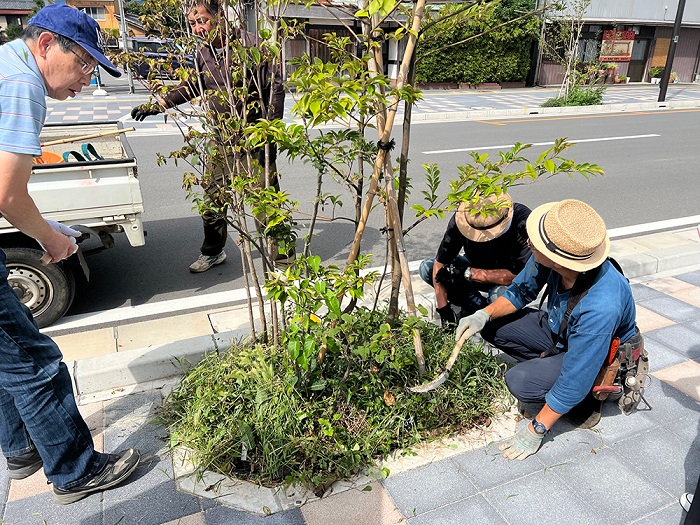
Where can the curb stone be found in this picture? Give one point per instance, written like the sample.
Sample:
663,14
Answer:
263,501
568,110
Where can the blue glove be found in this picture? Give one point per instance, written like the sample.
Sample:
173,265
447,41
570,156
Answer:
524,444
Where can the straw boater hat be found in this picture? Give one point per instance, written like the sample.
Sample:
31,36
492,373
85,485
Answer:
478,228
570,233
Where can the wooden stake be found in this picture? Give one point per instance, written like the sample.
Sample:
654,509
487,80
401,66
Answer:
86,137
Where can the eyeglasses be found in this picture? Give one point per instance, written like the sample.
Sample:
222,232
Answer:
87,68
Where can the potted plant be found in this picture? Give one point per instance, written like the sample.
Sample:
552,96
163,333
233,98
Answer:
609,68
655,74
673,79
622,79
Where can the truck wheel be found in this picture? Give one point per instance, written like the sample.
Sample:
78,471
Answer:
47,291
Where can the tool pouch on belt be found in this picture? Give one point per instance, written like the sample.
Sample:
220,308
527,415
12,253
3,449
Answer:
634,370
604,384
624,373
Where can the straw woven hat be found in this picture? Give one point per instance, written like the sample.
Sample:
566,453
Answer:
478,228
570,233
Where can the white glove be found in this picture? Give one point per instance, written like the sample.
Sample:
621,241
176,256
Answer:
524,444
472,323
65,230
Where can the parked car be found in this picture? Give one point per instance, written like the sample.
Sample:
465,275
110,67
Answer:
159,49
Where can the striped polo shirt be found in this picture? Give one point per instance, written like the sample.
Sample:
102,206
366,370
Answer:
22,100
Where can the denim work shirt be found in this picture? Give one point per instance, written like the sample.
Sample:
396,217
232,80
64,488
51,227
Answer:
605,312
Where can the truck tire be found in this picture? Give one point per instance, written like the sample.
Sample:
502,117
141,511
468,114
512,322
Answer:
47,290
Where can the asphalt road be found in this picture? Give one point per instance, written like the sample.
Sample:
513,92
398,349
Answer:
650,159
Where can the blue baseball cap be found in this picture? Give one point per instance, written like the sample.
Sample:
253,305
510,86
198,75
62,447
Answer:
78,27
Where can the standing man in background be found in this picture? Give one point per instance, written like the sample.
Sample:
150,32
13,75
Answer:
214,73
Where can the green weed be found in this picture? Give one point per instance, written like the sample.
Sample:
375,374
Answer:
246,413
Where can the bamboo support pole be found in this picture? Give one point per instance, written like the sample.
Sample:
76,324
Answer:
385,133
86,137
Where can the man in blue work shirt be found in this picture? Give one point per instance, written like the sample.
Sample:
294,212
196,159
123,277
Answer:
569,241
40,425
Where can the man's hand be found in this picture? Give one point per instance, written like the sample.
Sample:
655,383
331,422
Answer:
63,243
472,323
447,317
451,274
524,444
146,110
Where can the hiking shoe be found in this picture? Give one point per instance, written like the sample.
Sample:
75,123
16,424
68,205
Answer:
204,262
586,414
118,468
686,500
24,465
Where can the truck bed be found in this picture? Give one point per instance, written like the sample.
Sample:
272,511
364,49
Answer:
97,194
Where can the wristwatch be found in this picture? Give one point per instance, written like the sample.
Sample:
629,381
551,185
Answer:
540,429
468,273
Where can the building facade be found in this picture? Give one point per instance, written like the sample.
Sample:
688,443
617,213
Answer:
652,23
14,12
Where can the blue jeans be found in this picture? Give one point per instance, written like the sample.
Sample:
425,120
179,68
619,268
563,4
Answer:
36,397
525,335
468,296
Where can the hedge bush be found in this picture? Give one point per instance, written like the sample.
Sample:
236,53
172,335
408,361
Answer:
502,55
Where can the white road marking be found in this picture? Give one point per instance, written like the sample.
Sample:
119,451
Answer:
213,300
508,146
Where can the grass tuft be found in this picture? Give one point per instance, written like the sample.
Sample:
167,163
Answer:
247,414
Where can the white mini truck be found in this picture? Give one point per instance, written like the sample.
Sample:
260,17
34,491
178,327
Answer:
98,197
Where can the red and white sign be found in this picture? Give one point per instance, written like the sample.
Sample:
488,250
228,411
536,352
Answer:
617,46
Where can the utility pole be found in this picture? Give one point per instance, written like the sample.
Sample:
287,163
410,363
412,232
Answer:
671,51
125,34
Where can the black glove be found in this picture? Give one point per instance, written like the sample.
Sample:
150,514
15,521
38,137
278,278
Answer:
451,274
447,317
145,110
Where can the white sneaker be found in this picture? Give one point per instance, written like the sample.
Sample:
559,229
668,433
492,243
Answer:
204,262
685,500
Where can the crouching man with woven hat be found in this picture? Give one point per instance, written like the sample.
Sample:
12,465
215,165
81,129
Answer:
491,232
559,351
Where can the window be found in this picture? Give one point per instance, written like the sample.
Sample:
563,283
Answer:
96,12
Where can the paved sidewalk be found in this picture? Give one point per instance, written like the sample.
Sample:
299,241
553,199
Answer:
630,469
436,104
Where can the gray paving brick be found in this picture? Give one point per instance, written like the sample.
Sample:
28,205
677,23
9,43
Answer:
669,404
671,308
151,501
486,468
140,405
644,293
615,426
474,510
661,355
420,490
4,483
680,338
687,428
679,467
690,277
596,479
221,515
672,514
40,510
520,500
565,442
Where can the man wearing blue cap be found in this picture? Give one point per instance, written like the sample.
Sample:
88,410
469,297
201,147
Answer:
40,424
